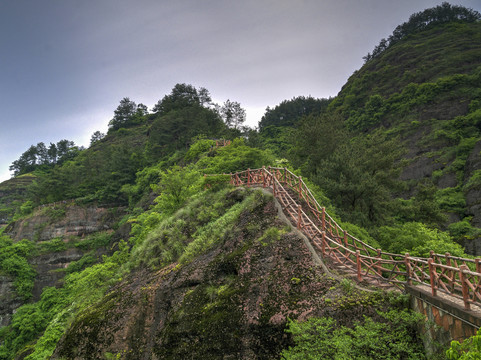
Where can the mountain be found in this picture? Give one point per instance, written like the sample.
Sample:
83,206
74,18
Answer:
13,193
138,248
426,90
420,97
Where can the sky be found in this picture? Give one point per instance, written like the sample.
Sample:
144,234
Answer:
66,64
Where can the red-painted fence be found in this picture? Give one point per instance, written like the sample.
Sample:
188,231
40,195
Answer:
443,273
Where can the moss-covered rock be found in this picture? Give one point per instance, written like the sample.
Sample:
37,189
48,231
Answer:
232,301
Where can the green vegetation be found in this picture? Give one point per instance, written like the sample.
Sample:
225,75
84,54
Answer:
40,157
444,13
14,193
392,157
393,336
14,262
51,315
469,349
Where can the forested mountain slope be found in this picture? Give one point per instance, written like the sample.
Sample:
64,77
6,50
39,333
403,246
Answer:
126,250
404,135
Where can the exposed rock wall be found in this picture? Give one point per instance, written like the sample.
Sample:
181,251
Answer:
473,196
232,302
76,221
41,226
9,301
47,267
473,199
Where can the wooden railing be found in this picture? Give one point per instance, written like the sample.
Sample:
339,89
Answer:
221,142
443,273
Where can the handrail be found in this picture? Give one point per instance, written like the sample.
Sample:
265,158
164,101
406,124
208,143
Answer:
440,272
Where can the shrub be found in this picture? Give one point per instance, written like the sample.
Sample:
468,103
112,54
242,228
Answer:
474,181
417,239
469,349
198,148
13,261
55,245
394,337
95,241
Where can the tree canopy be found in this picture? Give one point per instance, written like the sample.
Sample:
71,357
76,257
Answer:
181,96
419,21
288,112
128,113
39,155
233,114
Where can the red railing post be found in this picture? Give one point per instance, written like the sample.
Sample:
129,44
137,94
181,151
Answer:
478,270
432,275
248,177
358,262
464,285
409,271
478,265
274,187
323,219
379,266
263,176
300,187
323,243
450,272
285,175
299,216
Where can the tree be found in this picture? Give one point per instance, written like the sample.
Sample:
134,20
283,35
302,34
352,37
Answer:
39,156
440,14
360,175
52,153
181,96
310,143
289,112
232,113
176,186
174,130
204,97
96,136
42,154
66,150
469,349
124,113
142,110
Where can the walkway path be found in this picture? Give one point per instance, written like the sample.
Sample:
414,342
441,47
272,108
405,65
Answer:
448,277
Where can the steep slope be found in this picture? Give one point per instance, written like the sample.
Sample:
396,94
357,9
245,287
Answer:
428,89
425,90
13,192
47,245
229,302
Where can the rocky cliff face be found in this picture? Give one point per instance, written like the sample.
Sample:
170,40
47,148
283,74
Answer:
61,220
9,301
48,265
473,198
232,302
12,193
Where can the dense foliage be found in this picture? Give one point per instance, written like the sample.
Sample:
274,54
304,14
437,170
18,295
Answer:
391,157
469,349
444,13
40,156
394,337
288,112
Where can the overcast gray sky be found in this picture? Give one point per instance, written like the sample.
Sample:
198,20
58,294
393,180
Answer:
66,64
